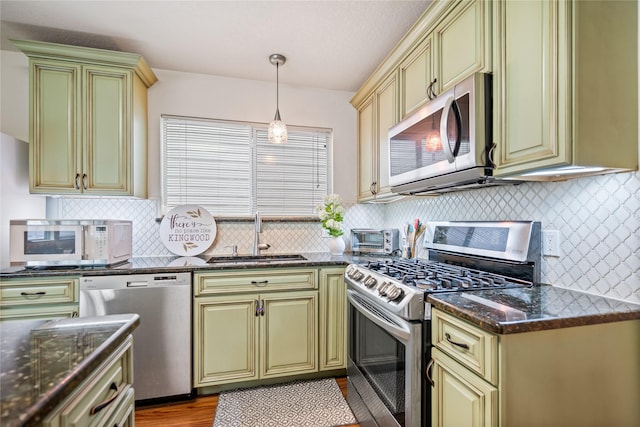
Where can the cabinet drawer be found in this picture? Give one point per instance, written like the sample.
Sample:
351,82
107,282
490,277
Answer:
41,291
471,346
108,387
261,280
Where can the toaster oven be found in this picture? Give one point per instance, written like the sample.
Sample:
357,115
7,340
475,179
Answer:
375,241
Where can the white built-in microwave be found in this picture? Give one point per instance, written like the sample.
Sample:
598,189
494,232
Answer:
42,242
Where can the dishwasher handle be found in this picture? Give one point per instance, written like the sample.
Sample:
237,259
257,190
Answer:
137,284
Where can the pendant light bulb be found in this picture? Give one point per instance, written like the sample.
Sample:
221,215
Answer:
277,128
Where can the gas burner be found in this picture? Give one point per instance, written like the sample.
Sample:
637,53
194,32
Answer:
432,276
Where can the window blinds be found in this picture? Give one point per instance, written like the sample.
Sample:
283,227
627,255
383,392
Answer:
231,169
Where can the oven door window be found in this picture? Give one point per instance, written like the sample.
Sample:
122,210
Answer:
369,240
381,359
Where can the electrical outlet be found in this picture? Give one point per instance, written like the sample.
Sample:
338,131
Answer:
551,243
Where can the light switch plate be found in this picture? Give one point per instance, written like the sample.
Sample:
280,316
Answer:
551,243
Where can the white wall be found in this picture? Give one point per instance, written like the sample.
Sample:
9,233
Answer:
198,95
15,200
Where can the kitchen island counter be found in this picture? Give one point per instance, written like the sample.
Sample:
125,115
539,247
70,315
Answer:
39,367
510,311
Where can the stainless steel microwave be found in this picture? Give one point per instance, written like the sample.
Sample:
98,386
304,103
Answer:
41,242
446,144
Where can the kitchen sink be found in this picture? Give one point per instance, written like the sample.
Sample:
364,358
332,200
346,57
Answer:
254,259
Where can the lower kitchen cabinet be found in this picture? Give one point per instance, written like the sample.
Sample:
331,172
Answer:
260,324
105,398
333,319
41,297
460,397
254,324
255,336
586,376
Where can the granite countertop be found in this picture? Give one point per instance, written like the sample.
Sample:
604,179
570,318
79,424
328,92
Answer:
175,264
44,360
510,311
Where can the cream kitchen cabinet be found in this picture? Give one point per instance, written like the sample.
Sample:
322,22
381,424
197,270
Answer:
376,115
254,325
105,398
458,46
333,319
563,97
88,120
41,297
537,378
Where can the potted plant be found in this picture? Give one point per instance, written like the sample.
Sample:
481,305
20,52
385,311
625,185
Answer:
331,213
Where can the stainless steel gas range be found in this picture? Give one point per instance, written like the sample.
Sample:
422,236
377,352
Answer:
389,331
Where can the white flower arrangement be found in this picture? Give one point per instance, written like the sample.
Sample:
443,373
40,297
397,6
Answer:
332,214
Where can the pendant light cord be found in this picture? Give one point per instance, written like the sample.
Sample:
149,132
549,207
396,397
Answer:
277,87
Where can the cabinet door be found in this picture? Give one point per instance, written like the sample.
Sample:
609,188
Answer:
288,334
531,87
461,398
55,155
225,343
333,319
386,107
415,77
367,157
107,130
461,43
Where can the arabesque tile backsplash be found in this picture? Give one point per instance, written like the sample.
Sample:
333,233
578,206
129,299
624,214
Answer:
598,219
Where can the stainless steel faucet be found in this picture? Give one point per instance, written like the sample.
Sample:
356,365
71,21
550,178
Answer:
257,246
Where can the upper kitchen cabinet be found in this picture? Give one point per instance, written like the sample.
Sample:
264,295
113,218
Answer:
565,88
375,116
458,46
88,120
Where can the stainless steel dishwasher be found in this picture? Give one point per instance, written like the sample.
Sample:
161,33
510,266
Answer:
162,341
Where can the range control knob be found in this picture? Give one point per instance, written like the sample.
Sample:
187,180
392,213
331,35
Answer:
382,288
370,282
395,293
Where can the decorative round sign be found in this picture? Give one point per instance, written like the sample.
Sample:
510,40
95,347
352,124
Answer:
188,230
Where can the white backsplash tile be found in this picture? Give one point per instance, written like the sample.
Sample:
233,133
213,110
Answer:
598,219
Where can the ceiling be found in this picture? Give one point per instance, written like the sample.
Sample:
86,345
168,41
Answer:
328,44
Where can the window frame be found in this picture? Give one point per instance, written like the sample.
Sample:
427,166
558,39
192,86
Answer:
255,127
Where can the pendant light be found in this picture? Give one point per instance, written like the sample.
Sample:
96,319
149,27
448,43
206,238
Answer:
277,128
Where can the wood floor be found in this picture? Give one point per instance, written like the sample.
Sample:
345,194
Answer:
195,413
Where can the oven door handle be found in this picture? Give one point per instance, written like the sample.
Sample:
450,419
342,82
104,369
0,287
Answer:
399,331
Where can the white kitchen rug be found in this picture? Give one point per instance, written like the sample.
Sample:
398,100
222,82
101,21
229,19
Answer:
316,403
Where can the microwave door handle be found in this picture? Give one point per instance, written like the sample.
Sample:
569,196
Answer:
85,237
449,105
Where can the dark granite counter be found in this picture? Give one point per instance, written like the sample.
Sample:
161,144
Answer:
511,311
142,265
42,361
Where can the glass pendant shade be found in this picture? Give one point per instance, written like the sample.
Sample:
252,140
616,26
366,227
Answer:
277,128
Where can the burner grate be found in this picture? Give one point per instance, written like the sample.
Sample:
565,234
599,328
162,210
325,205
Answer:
433,276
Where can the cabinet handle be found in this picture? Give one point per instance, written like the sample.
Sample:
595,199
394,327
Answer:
260,283
372,188
430,93
100,406
429,366
490,155
77,185
84,181
262,308
31,294
448,337
258,308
